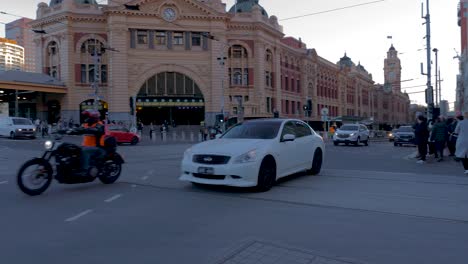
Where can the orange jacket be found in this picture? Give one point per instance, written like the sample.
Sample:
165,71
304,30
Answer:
89,140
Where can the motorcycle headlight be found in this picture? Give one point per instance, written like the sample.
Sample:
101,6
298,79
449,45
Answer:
48,145
250,156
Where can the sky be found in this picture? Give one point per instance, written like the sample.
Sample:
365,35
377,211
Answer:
360,31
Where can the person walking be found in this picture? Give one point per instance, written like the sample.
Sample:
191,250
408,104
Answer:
462,142
44,128
452,141
421,138
140,128
439,136
151,131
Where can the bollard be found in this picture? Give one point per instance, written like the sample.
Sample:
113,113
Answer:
153,136
192,136
174,136
183,136
164,136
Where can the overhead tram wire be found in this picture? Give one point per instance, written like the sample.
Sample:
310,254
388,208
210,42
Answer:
332,10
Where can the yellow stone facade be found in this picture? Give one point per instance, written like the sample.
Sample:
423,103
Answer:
225,55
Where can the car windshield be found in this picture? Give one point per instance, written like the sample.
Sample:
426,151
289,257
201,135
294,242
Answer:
22,121
349,128
405,129
254,130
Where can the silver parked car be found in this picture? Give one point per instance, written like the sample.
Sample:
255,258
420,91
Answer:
351,134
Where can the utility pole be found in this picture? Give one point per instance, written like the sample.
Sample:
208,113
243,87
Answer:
429,90
436,51
222,64
97,73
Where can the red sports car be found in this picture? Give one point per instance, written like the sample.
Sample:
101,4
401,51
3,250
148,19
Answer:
123,135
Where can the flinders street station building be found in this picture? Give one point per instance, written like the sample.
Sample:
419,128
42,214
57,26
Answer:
191,60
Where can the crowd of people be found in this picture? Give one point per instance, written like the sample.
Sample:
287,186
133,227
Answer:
433,137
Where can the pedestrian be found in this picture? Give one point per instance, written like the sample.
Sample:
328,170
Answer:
38,125
151,130
70,123
205,134
452,141
462,142
421,134
44,128
439,136
162,130
140,128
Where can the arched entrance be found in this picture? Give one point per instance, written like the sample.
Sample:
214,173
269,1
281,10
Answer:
89,104
170,97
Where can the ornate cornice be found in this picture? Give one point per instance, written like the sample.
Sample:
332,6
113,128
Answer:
59,18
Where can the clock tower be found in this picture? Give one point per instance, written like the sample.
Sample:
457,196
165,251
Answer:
392,71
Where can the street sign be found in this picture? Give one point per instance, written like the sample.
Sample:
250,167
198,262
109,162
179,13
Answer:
324,118
324,111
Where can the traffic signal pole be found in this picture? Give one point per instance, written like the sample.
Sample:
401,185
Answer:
429,89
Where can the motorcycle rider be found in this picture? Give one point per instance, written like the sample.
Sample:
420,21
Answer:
93,141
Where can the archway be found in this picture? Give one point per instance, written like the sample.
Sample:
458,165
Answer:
89,104
170,97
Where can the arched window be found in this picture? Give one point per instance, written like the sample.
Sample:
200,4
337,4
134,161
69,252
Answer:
238,66
93,62
52,60
92,46
238,51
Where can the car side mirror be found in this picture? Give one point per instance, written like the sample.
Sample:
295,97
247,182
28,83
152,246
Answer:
218,136
288,137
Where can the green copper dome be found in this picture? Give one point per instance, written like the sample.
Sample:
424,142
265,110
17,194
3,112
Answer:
245,6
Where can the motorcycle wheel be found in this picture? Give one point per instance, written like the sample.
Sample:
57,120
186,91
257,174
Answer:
38,181
111,172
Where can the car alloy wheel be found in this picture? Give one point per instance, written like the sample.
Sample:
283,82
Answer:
266,175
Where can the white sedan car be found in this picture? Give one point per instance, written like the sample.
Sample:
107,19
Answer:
255,154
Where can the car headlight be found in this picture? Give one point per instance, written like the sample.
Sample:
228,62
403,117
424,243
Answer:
19,129
352,134
188,153
250,156
390,135
48,145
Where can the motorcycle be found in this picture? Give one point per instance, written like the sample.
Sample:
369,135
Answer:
67,166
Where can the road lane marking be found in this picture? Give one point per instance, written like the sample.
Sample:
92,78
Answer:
76,217
144,178
115,197
3,182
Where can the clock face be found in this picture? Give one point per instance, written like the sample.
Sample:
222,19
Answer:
169,14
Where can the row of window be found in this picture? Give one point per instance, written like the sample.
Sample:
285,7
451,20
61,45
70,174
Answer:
238,77
167,38
290,84
332,110
90,75
291,107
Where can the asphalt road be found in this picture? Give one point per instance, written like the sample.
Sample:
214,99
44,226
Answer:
369,205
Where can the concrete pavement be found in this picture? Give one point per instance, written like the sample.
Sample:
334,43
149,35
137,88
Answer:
370,205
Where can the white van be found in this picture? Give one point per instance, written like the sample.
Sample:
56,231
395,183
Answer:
17,127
